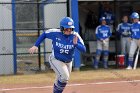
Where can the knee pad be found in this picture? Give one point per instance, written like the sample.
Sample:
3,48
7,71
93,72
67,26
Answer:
105,52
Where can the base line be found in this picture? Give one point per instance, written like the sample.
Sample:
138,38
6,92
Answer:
69,85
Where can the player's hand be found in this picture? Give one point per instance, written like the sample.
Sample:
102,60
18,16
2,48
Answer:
33,49
75,39
106,40
101,40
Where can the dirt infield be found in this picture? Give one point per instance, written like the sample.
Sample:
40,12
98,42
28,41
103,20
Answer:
100,81
110,86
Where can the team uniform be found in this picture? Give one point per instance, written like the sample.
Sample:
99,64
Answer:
109,17
108,14
124,31
103,32
135,39
135,31
62,53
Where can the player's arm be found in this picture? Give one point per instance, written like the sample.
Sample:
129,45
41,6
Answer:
47,34
40,39
131,33
78,43
118,30
37,43
97,33
110,32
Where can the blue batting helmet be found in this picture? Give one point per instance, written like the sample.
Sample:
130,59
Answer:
134,15
102,18
67,22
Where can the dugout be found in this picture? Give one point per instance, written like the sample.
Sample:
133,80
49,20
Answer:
11,21
89,14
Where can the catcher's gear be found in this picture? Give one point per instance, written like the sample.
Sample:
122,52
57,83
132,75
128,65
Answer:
134,15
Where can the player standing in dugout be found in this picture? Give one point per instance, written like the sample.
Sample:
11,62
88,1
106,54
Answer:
135,38
123,30
103,33
64,41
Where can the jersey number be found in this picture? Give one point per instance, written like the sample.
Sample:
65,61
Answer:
105,35
64,51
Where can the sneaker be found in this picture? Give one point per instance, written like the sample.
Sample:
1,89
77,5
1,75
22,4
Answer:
129,67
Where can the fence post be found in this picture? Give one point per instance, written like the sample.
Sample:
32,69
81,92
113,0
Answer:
38,26
74,12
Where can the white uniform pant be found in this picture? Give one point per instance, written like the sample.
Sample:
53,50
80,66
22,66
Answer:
125,45
103,45
61,69
134,45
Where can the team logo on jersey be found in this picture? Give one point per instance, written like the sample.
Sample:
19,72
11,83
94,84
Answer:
63,46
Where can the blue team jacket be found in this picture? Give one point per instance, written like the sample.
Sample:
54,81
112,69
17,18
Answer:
103,32
135,30
124,27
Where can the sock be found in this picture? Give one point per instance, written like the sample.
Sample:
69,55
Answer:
95,63
126,60
130,63
59,87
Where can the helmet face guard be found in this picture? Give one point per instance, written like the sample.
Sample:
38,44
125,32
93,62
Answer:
134,15
66,22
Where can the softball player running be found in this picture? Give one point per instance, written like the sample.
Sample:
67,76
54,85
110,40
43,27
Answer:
135,38
124,31
103,32
64,41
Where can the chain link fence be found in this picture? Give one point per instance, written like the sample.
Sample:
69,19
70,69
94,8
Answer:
29,25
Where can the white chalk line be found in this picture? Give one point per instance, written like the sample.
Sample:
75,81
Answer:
69,85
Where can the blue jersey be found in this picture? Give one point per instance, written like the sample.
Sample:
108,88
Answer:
109,16
135,30
103,32
63,47
124,29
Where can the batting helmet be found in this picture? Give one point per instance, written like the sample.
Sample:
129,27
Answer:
102,18
66,22
134,15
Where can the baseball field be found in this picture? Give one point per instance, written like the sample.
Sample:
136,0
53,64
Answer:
84,81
